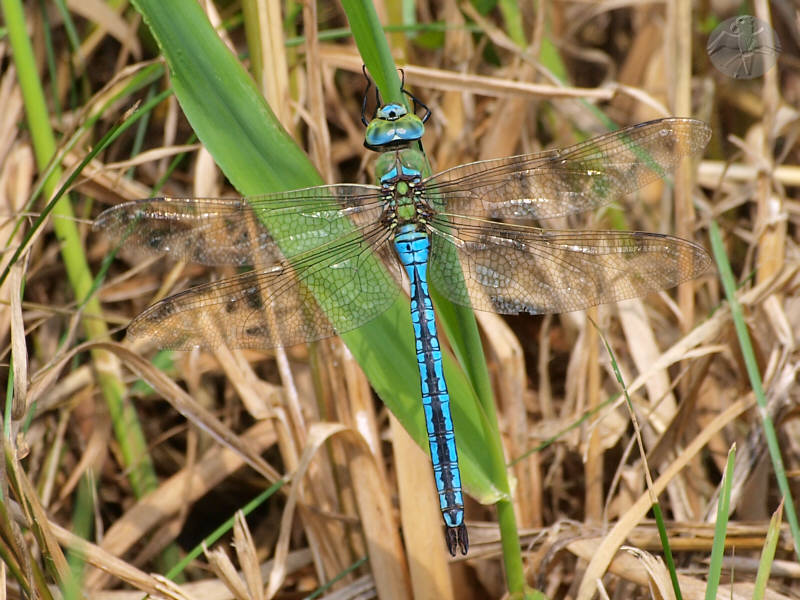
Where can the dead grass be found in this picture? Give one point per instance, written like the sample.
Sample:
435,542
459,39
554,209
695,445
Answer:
308,414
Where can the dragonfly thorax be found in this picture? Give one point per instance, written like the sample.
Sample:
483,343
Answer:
401,165
399,174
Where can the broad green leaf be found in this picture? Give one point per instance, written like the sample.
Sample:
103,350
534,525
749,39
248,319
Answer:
237,126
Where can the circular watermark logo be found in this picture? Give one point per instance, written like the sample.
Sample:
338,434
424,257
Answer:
743,47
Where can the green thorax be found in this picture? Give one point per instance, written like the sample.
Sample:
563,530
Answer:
399,172
400,165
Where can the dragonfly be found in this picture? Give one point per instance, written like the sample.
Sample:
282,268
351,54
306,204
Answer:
311,252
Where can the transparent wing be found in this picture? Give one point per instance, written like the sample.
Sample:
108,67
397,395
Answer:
512,269
333,289
571,180
232,231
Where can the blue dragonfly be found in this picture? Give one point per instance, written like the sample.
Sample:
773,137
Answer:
312,274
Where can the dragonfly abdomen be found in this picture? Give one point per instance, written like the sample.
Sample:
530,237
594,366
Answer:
413,248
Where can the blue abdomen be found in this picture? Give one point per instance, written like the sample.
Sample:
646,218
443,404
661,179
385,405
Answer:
413,248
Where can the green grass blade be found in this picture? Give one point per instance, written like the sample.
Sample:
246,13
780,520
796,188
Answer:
729,284
373,48
768,554
669,560
513,21
657,514
720,530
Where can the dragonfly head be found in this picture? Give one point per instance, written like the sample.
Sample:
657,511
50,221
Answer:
393,127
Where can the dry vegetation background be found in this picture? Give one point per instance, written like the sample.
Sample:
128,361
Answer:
67,471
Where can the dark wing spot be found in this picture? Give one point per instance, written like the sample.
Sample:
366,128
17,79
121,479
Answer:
252,296
258,331
243,240
156,239
163,309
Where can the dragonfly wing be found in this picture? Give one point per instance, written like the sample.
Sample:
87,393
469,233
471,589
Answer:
333,289
571,180
233,231
512,269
